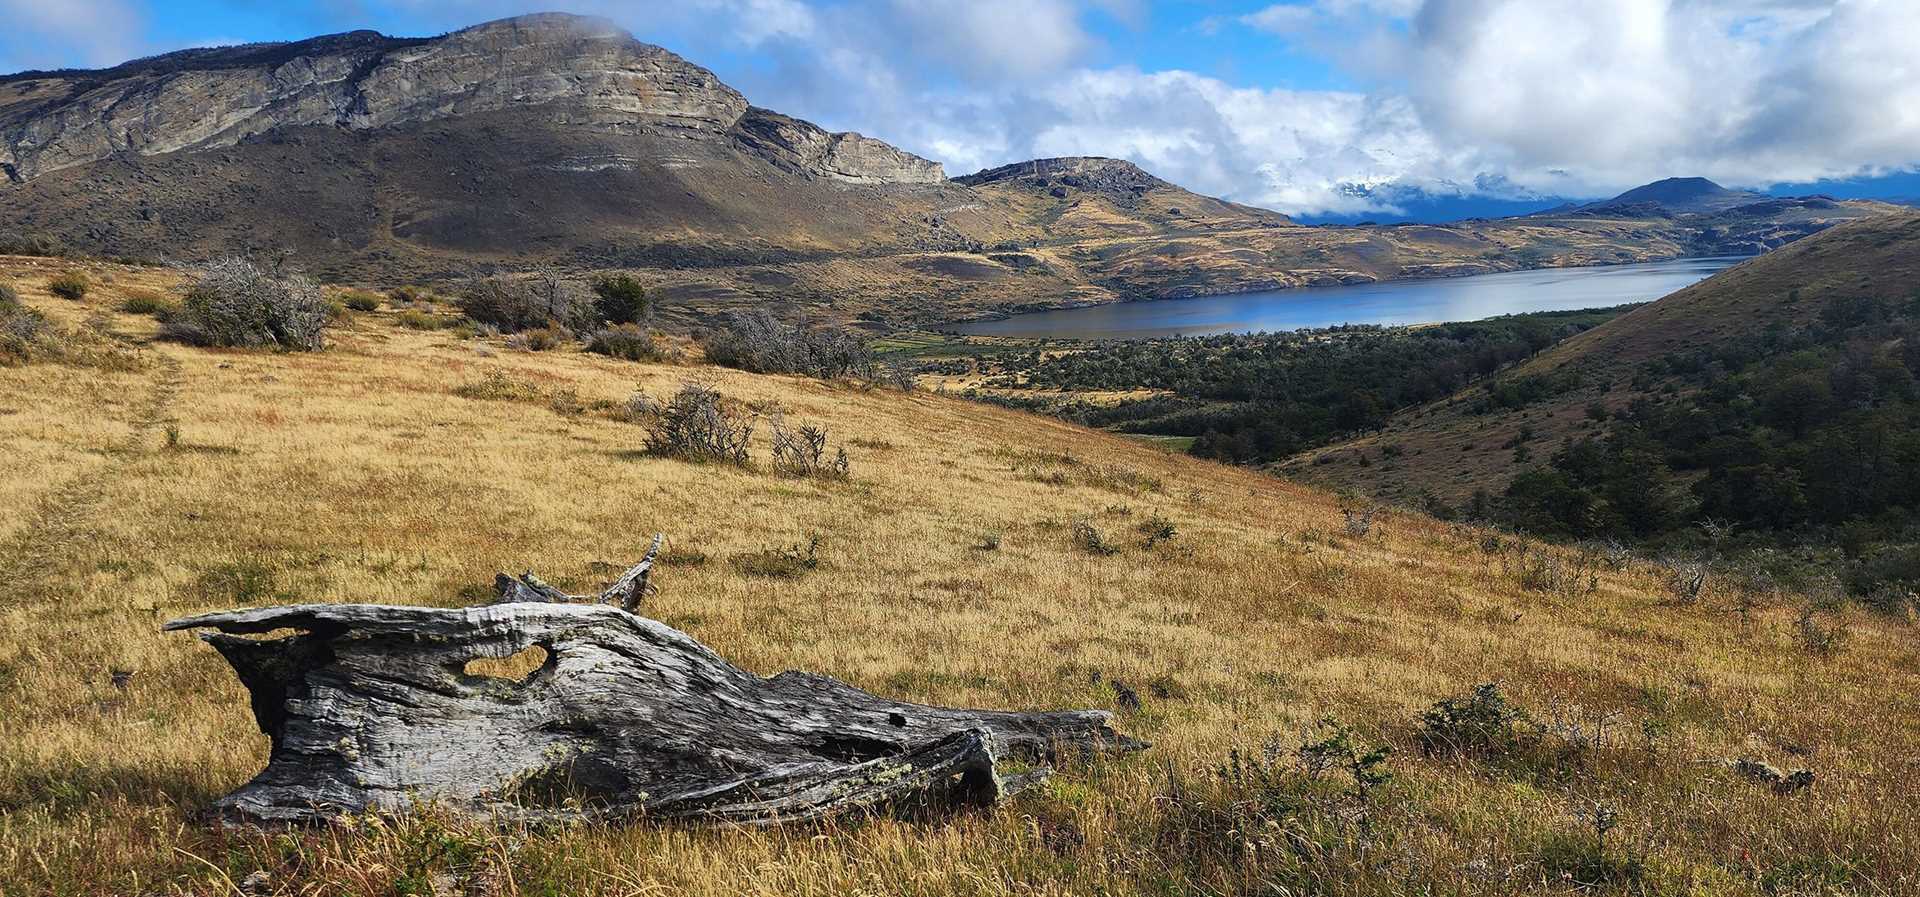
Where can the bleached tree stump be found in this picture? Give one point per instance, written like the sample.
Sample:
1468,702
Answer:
371,707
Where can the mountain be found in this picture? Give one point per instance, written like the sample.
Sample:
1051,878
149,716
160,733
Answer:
561,140
1683,195
1747,318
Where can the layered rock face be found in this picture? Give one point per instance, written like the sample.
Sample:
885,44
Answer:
576,71
800,146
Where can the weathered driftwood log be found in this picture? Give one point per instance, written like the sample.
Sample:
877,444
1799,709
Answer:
627,591
371,707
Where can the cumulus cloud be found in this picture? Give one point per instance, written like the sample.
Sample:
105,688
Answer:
1508,98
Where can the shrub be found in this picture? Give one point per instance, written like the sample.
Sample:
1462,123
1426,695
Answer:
695,425
1481,725
1088,538
543,300
781,563
138,301
802,452
236,304
23,331
621,299
360,300
757,342
407,295
539,339
1157,529
71,285
626,341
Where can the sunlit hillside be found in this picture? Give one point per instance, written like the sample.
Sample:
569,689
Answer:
976,556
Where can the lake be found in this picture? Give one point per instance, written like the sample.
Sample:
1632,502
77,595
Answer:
1396,302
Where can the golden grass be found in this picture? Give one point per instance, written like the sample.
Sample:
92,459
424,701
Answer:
356,474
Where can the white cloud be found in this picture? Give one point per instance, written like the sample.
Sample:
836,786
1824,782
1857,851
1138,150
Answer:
39,33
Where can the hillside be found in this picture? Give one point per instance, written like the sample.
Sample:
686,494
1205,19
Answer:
154,480
1458,445
561,140
1682,195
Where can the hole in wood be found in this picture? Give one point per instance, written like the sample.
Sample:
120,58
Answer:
517,667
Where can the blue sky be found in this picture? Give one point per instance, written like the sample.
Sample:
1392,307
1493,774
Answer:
1327,109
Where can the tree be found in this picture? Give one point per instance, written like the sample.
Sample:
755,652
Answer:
622,299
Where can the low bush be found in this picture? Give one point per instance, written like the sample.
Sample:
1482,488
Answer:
621,299
498,385
781,563
140,301
408,295
758,342
1088,538
360,300
539,339
1481,725
23,331
802,452
235,303
626,341
545,300
697,425
72,285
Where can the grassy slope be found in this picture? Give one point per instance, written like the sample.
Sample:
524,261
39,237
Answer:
1448,449
356,474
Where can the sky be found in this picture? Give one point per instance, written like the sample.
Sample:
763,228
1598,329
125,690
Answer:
1324,109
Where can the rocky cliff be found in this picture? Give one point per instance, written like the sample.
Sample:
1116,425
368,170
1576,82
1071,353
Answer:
573,71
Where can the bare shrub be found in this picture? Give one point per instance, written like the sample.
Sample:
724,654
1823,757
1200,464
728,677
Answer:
695,425
1818,638
235,303
1687,581
1359,519
802,451
1548,570
543,300
758,342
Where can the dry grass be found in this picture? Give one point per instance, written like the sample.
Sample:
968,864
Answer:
357,474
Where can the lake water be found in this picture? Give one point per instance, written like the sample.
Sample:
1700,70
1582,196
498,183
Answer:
1397,302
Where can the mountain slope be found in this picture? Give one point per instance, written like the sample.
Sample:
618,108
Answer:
560,140
1685,195
1468,442
949,571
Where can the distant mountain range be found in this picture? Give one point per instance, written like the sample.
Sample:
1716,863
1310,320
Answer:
560,140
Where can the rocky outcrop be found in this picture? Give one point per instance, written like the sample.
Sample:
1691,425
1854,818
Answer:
575,71
801,147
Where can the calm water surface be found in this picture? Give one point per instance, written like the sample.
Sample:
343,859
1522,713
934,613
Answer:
1399,302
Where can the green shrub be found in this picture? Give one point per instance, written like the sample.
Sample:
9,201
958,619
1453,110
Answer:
71,285
1481,725
628,341
360,300
621,299
139,301
236,304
